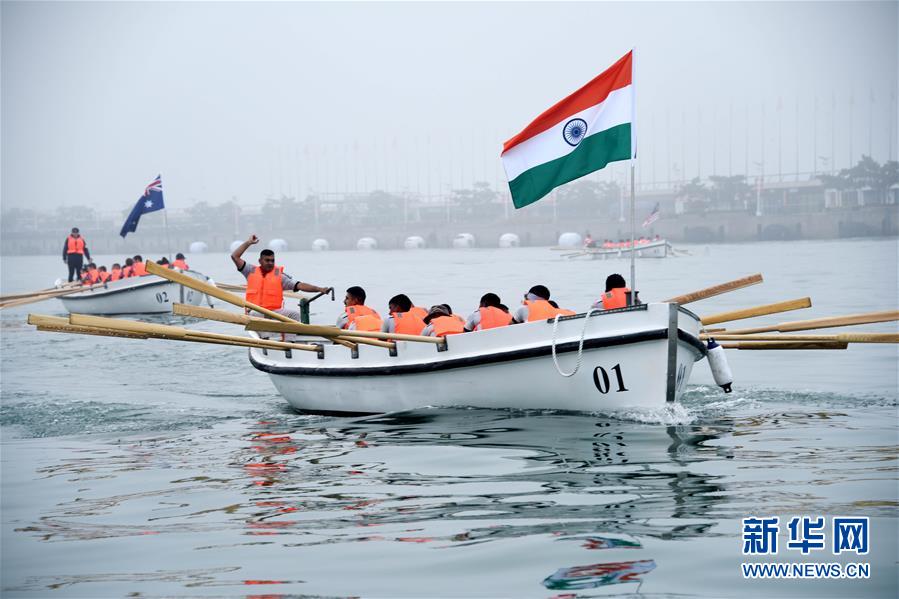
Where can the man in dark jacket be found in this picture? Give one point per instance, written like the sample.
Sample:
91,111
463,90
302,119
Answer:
74,250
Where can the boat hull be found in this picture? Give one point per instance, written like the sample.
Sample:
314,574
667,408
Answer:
633,357
653,249
136,295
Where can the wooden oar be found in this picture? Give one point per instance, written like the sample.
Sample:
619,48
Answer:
796,304
241,319
58,324
15,296
841,337
212,290
695,296
178,333
823,323
45,296
326,331
785,345
223,295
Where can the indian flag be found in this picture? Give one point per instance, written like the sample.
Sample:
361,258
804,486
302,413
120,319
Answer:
581,134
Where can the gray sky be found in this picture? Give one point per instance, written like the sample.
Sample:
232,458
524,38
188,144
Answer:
247,100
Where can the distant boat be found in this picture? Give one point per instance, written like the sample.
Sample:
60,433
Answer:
659,248
135,295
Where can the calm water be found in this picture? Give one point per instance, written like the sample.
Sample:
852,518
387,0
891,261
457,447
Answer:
157,469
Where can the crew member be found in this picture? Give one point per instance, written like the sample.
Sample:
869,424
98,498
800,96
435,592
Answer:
180,262
116,273
91,275
616,295
441,322
489,315
266,282
102,274
402,319
356,315
536,306
128,270
74,251
138,267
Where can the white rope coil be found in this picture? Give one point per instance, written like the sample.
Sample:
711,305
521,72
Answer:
580,346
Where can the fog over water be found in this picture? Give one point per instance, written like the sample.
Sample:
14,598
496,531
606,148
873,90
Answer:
240,100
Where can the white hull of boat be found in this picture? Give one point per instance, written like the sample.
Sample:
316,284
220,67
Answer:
633,357
135,295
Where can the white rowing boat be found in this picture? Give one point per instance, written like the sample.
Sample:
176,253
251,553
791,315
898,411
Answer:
135,295
640,356
653,249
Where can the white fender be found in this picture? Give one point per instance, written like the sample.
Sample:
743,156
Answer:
718,363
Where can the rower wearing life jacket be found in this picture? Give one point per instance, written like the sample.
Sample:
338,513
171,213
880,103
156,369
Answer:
180,262
356,315
116,272
128,269
616,295
91,275
536,306
102,274
489,315
138,267
402,318
266,282
441,322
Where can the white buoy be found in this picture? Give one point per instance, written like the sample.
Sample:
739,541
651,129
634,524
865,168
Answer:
367,243
464,241
234,245
320,245
720,369
570,240
414,243
199,247
277,245
509,240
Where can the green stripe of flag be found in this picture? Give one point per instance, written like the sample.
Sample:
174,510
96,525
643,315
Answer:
592,154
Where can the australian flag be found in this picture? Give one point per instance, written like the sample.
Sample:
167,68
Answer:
151,201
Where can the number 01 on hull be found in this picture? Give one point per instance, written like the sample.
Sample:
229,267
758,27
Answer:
632,357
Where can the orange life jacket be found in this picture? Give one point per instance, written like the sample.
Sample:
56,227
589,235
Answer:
540,310
140,270
616,298
266,290
103,276
179,263
418,311
74,245
493,317
353,313
93,276
85,278
127,271
116,274
408,323
446,325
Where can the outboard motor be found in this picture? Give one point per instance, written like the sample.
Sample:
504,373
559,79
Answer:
718,363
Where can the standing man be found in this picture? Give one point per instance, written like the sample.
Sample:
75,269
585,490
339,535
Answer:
74,250
266,282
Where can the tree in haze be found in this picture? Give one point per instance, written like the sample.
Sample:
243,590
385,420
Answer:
476,203
383,208
589,199
695,196
866,174
730,193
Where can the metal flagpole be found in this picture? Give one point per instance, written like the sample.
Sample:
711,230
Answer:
633,236
165,225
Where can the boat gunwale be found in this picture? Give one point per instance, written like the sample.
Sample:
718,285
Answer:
479,360
105,291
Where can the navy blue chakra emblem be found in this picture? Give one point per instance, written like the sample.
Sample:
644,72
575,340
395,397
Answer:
574,131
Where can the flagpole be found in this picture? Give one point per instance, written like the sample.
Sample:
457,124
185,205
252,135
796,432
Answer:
165,225
633,236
